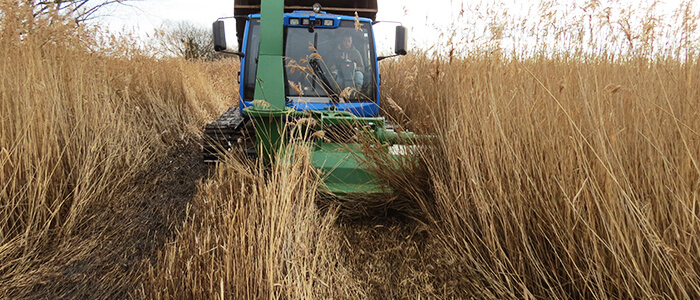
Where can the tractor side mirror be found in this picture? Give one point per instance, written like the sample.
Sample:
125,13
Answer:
219,36
220,39
400,47
401,40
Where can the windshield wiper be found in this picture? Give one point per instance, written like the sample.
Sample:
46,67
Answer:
318,71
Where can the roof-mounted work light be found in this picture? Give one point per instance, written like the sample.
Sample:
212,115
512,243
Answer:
316,7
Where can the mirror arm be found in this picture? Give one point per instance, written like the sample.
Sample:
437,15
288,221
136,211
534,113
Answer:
400,53
380,58
239,54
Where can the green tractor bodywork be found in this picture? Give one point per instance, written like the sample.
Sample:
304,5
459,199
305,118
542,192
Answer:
343,166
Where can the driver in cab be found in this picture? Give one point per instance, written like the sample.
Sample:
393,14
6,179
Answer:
348,68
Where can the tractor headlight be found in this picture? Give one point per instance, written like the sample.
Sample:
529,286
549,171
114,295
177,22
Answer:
304,21
294,22
328,22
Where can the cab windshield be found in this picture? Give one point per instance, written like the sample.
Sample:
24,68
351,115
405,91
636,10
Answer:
323,65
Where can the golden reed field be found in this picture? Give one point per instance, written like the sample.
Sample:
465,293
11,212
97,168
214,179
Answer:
554,175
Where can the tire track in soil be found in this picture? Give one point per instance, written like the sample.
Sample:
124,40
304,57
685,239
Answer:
107,258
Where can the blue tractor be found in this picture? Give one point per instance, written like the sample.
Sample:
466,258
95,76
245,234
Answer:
330,64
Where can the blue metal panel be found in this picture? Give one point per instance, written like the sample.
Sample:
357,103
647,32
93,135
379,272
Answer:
376,70
241,88
360,109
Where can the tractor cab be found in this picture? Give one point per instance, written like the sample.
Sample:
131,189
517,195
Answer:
330,56
329,63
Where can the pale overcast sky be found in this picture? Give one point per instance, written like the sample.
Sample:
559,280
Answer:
425,22
143,16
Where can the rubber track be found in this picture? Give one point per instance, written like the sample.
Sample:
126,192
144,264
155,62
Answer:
223,134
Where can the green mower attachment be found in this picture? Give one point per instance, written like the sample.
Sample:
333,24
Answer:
338,150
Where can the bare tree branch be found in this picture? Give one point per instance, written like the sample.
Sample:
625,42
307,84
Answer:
80,10
184,39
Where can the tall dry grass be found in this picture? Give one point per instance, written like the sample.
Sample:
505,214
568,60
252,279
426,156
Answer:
81,115
563,173
555,174
560,178
254,235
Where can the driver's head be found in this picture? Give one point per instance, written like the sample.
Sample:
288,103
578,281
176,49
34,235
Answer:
346,42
